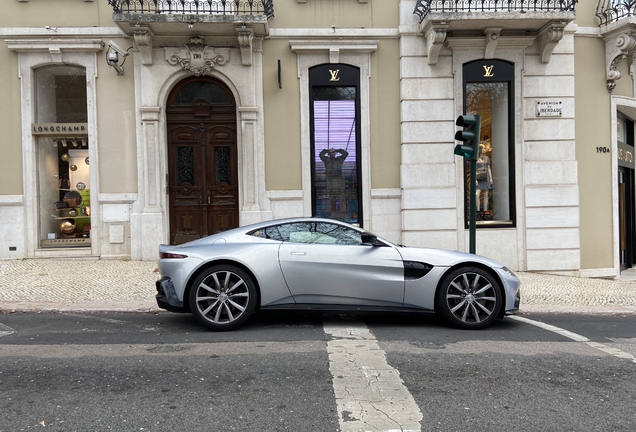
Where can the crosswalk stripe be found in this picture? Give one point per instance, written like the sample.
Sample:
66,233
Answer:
370,394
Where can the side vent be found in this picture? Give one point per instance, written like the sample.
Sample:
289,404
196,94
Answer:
416,270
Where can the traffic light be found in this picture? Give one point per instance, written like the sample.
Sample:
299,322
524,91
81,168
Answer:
469,136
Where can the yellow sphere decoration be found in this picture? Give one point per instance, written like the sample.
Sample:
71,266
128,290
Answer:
68,226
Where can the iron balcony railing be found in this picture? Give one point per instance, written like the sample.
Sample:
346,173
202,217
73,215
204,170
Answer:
424,7
194,7
608,11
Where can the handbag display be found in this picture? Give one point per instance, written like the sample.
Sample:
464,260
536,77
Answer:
73,198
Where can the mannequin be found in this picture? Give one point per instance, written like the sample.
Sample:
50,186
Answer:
484,180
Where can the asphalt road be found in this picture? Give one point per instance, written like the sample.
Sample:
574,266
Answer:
163,372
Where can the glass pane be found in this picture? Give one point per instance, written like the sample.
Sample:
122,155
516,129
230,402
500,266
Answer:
60,95
185,165
339,234
201,90
335,159
491,101
64,192
621,130
222,165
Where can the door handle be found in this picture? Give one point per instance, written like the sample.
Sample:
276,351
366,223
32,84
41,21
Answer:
299,253
208,199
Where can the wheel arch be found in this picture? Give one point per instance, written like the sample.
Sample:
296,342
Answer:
483,267
207,265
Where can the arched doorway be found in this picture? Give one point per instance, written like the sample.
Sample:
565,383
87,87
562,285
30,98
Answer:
202,159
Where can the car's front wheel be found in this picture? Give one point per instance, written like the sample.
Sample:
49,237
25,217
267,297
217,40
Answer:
469,298
223,297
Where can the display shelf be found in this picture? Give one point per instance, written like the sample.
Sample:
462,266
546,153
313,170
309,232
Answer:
70,217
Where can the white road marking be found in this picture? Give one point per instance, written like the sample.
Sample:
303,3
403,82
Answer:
577,337
94,317
5,330
370,394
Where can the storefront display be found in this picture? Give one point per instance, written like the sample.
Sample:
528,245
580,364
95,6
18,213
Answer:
61,134
489,95
71,211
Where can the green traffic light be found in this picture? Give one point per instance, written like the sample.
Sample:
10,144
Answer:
464,150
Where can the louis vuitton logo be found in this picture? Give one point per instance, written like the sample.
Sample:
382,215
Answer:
334,75
488,71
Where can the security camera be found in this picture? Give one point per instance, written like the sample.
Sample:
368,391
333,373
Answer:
119,50
112,57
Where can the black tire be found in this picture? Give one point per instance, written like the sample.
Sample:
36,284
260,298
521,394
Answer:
469,298
223,297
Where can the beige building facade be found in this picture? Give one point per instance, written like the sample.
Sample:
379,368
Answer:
131,124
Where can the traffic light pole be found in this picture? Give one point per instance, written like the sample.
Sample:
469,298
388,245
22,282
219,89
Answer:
469,149
472,217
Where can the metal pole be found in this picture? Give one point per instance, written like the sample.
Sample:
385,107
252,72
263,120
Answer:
473,207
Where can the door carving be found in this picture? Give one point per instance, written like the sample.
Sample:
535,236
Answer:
202,178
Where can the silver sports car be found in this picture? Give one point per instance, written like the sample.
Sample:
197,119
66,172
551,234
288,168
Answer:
322,264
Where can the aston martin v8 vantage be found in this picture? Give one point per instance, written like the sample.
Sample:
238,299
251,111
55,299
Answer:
322,264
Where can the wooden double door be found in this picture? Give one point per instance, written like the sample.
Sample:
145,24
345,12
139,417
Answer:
202,160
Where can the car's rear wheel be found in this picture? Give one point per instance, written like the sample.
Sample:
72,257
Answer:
469,298
223,297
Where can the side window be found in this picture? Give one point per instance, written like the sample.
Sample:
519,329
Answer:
270,233
319,233
340,234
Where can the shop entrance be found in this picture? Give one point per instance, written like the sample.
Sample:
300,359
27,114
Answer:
626,209
626,216
202,159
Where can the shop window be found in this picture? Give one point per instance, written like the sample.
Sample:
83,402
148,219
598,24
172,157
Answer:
488,91
63,158
335,142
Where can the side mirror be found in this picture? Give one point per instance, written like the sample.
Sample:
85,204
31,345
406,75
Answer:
370,239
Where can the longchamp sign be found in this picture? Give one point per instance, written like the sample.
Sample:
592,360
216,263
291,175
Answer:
59,129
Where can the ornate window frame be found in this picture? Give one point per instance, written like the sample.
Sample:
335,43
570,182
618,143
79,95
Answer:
347,51
33,54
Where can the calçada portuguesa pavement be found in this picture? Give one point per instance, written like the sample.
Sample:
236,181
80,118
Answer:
67,285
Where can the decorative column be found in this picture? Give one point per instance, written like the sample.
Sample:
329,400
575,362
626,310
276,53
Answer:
147,224
250,211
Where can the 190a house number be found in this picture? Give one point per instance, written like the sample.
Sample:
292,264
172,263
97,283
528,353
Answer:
602,150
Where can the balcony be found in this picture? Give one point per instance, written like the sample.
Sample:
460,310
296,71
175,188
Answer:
611,11
492,23
147,21
182,17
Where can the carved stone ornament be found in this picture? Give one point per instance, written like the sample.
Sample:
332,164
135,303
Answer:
143,38
549,37
435,33
625,45
197,57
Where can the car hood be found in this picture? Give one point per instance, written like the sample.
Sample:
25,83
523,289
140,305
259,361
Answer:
444,258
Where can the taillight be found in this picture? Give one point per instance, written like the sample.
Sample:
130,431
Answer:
164,255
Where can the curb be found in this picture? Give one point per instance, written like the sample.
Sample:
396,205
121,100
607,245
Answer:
44,307
584,310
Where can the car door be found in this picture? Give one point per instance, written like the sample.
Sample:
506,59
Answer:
326,263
